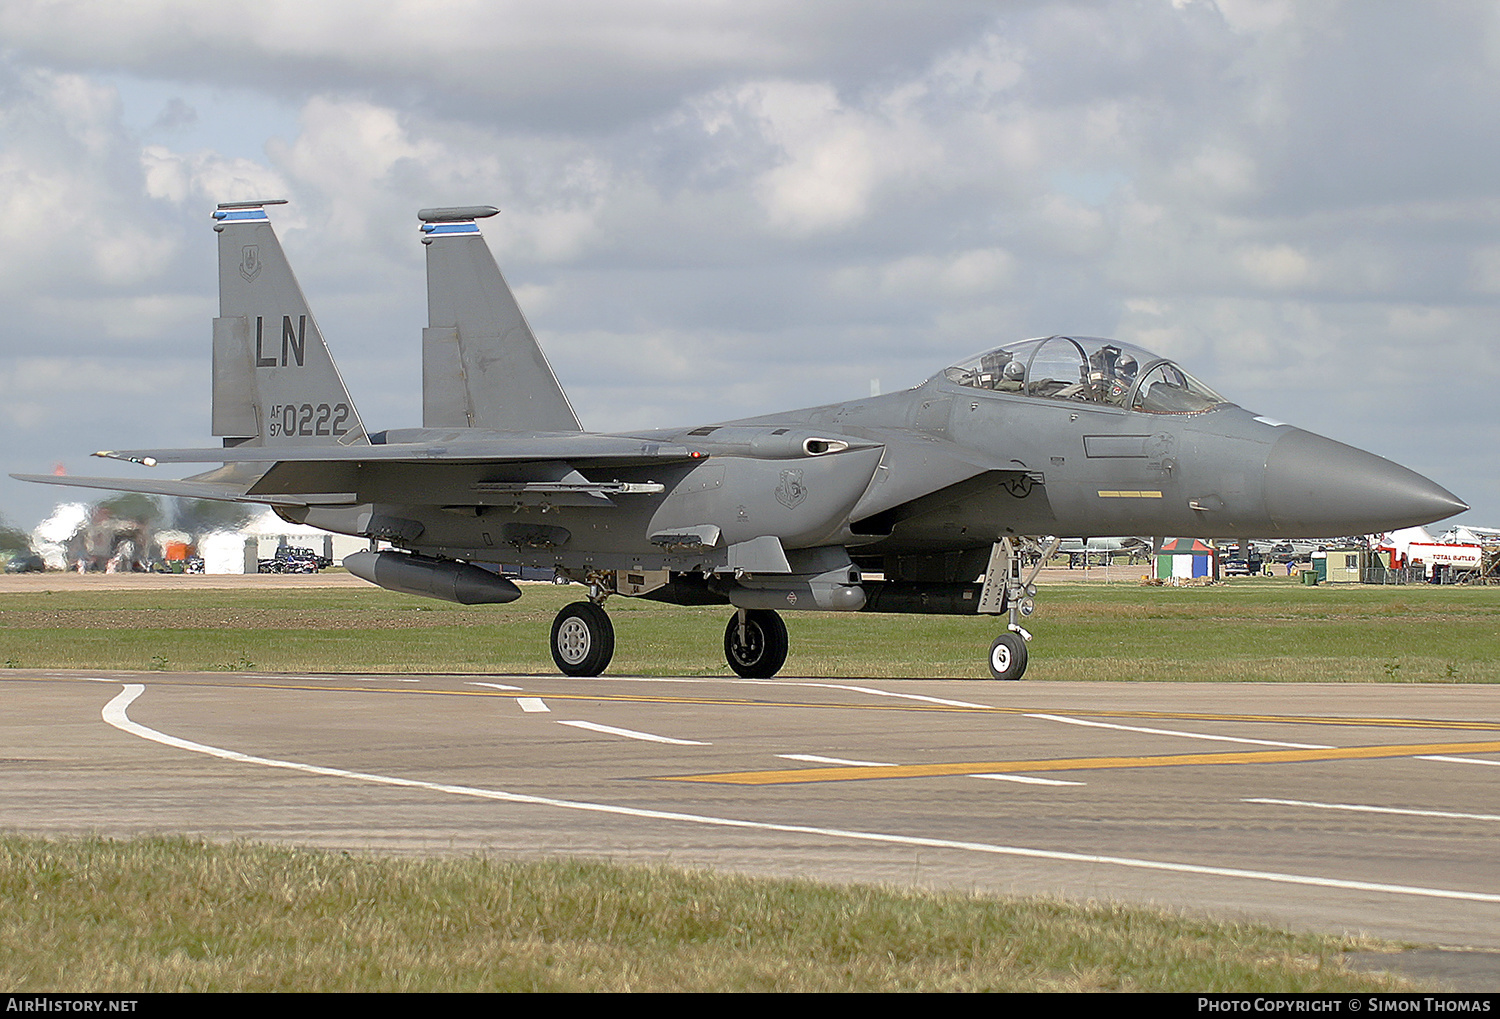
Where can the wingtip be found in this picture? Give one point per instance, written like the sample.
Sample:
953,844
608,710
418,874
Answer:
109,454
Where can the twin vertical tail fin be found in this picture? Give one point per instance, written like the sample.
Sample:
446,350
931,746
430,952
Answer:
481,364
275,383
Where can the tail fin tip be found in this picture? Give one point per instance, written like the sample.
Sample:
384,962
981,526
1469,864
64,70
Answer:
457,213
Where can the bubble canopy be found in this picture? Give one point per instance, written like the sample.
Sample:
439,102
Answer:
1087,369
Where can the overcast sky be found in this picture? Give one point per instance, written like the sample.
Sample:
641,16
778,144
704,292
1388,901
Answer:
713,209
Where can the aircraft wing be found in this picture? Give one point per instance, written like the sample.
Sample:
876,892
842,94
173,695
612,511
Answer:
577,449
541,466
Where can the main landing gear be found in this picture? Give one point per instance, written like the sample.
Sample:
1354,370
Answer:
1005,590
755,643
583,641
755,640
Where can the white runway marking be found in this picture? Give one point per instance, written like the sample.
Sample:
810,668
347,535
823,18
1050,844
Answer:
1027,779
1461,760
892,693
1238,739
815,759
1174,732
494,686
1022,779
633,734
1377,810
115,714
533,705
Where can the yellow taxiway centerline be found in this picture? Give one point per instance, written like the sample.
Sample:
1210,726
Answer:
852,774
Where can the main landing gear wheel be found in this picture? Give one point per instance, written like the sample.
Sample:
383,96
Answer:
760,651
1008,656
583,639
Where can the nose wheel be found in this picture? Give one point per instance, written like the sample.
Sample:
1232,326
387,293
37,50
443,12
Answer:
1008,656
755,643
583,639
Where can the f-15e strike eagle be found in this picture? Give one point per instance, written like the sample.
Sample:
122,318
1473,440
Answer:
930,488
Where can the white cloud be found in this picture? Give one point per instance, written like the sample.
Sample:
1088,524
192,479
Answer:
206,177
587,61
45,392
1485,269
65,170
962,275
697,196
827,166
1276,267
1250,15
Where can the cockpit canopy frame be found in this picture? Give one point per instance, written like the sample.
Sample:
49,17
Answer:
1087,369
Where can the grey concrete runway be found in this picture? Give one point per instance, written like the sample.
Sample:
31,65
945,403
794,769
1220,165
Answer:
1343,808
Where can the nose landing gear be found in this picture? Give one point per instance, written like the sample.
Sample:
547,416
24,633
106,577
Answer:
1005,590
1008,656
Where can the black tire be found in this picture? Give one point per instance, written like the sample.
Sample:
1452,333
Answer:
583,639
1008,656
763,651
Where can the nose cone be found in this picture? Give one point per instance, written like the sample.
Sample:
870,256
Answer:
1316,487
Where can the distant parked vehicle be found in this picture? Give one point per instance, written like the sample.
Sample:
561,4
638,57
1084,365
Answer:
291,559
1248,567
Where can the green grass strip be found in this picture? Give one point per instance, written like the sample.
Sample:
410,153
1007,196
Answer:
167,914
1252,630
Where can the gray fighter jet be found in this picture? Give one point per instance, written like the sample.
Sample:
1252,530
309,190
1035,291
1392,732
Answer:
929,489
1081,551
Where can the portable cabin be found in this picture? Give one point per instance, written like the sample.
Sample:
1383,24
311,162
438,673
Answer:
1186,558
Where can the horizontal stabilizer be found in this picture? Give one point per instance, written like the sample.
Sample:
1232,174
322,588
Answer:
179,489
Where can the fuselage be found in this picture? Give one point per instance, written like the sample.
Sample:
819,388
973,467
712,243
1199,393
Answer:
941,468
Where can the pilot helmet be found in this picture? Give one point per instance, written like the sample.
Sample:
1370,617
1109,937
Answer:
1014,371
1126,367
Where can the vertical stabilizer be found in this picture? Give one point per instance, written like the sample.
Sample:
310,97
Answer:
481,364
275,383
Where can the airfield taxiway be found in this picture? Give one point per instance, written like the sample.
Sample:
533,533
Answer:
1328,807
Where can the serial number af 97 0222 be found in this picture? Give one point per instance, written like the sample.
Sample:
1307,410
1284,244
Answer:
308,419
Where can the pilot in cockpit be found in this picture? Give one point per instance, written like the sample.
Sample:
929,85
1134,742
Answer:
1115,390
